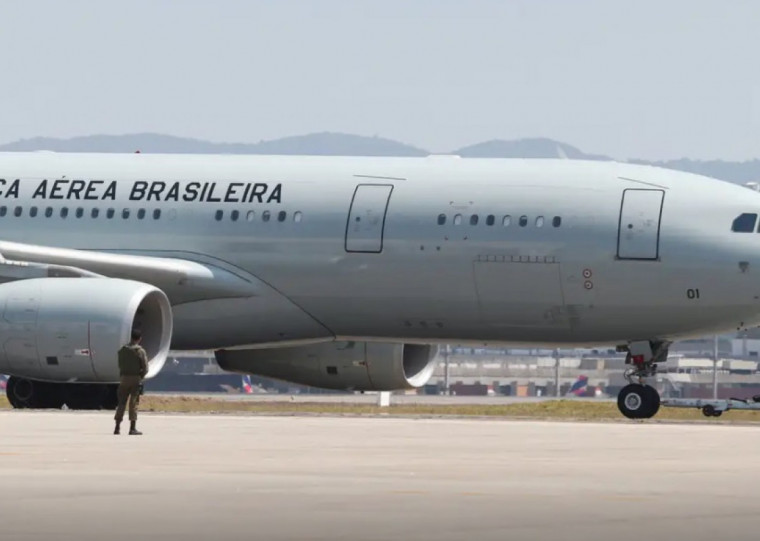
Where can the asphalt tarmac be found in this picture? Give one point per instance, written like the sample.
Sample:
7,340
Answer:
64,476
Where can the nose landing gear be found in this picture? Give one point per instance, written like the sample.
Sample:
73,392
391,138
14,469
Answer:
637,400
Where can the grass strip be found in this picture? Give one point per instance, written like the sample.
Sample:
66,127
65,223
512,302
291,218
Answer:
575,410
551,409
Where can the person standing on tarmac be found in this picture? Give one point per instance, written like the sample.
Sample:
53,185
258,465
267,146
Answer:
133,367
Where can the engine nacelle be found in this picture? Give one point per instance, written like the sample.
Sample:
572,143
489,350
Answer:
70,329
359,366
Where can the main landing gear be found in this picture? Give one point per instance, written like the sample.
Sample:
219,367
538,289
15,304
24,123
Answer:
31,394
637,400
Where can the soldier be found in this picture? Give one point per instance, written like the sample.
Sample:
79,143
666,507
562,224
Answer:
133,367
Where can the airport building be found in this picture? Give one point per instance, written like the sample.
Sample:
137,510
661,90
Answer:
598,372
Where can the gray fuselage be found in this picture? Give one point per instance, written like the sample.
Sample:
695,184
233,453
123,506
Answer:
435,249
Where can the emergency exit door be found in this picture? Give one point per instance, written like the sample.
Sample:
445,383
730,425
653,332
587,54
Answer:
366,218
639,227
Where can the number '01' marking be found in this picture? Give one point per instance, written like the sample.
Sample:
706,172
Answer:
692,293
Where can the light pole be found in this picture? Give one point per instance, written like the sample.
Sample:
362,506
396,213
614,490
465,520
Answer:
446,389
715,367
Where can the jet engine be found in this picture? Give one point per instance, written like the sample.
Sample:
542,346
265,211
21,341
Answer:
70,329
359,366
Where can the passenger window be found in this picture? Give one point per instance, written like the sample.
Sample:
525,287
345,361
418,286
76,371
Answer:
156,214
17,211
523,221
557,221
458,219
507,221
250,216
141,214
539,221
297,216
234,215
441,219
95,212
744,223
110,213
219,215
491,219
64,212
3,211
125,214
281,216
80,212
474,219
48,212
33,212
266,215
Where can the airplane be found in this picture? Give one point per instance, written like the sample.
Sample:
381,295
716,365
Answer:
348,273
579,386
247,384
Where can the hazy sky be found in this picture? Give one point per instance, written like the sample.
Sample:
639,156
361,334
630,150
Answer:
644,78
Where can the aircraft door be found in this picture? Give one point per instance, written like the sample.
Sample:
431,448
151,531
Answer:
639,226
366,218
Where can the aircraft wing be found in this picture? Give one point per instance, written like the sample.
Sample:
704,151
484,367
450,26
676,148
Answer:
182,280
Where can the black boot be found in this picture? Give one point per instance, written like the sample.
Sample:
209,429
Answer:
117,430
133,429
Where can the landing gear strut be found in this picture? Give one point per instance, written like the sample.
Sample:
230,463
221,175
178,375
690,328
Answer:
26,393
637,400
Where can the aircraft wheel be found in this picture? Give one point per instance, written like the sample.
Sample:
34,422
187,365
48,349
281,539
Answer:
110,398
21,392
27,393
708,411
48,395
653,401
10,392
633,401
83,396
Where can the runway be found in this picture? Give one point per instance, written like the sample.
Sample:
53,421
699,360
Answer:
192,477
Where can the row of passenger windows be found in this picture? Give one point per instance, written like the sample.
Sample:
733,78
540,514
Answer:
744,223
126,213
266,216
506,221
79,212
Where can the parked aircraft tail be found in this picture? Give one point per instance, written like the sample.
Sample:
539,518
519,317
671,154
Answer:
579,387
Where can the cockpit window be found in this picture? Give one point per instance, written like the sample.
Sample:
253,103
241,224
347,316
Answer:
744,223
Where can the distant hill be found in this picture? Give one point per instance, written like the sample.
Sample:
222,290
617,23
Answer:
526,148
323,144
341,144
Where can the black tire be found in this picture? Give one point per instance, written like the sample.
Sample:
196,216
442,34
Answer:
48,395
717,413
10,393
84,396
21,392
110,398
708,411
653,400
28,393
633,401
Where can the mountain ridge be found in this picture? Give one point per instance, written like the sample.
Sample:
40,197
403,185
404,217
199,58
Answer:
343,144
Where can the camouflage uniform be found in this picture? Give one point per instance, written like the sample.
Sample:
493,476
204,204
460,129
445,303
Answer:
133,367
